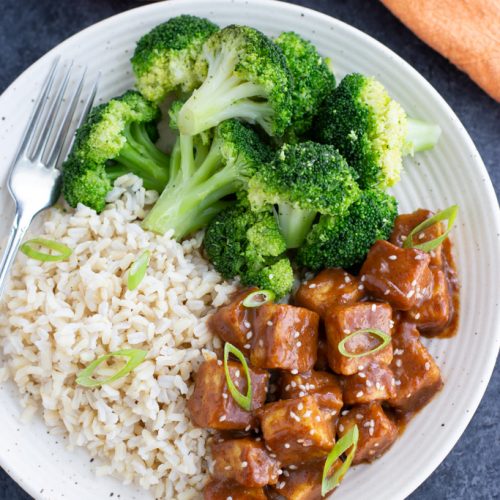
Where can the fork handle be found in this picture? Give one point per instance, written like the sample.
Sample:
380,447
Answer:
22,220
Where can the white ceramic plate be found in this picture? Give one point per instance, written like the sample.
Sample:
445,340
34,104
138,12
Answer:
452,173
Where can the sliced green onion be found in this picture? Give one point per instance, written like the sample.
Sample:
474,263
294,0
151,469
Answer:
259,298
63,251
135,358
245,401
138,270
449,214
379,333
349,440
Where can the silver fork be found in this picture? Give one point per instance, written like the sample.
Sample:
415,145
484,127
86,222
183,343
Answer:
34,178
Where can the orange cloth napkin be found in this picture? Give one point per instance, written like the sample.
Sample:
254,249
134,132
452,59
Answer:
467,32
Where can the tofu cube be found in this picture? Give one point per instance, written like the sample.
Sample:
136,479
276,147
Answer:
331,287
405,223
245,461
374,383
233,322
285,337
417,377
347,319
434,313
296,430
401,276
211,404
303,483
222,490
377,431
323,386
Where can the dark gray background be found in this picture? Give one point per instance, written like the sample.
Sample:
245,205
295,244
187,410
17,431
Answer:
29,28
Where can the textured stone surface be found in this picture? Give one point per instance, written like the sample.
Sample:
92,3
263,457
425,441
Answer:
31,27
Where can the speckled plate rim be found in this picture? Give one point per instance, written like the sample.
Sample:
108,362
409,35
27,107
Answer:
488,197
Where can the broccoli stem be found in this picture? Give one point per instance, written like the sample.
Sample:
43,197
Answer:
294,223
189,203
141,157
223,96
421,135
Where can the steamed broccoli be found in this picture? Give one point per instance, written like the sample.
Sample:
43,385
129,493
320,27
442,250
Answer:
248,244
202,176
115,139
344,241
302,181
164,59
247,78
371,130
312,80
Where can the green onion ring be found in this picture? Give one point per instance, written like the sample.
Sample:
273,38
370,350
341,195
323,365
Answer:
259,298
386,339
135,358
449,214
28,250
244,401
349,440
138,270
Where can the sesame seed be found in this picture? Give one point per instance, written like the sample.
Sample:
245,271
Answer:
227,467
292,467
237,373
307,413
287,387
261,343
393,257
269,323
302,394
293,383
371,430
398,382
286,473
374,307
347,279
222,418
295,416
363,278
366,424
372,452
361,368
300,441
421,236
414,283
376,445
312,285
258,439
391,323
287,445
360,394
294,371
378,385
347,331
387,292
341,428
281,485
219,362
427,366
244,464
419,257
299,343
368,383
229,498
417,316
398,352
247,346
359,416
247,428
296,335
318,418
410,294
273,455
345,412
224,395
398,363
249,335
247,324
312,432
362,375
361,287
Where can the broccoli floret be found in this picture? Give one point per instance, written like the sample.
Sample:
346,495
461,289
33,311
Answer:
240,242
344,241
201,177
247,78
371,130
312,80
114,140
302,181
165,58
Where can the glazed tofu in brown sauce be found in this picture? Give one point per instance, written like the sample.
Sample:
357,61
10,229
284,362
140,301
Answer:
306,392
